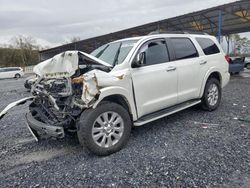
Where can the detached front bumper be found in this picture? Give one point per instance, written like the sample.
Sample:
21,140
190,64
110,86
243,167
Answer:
39,128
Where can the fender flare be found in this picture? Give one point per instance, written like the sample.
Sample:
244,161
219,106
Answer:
116,90
204,81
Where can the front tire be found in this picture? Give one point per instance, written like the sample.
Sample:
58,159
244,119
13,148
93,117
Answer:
212,95
105,129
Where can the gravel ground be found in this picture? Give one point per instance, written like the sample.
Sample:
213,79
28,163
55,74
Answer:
192,148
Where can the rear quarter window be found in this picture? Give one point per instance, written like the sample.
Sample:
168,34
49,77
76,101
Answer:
184,48
208,46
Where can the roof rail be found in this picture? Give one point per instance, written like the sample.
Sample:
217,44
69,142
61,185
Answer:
177,32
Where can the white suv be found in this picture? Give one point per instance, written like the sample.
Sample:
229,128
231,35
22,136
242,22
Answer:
11,72
125,83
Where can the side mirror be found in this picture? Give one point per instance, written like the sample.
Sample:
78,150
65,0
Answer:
139,60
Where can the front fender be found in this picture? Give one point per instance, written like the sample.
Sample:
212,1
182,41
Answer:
116,90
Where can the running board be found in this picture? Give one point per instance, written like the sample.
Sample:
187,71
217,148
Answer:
165,112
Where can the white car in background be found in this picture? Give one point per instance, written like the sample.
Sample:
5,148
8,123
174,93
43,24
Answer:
11,72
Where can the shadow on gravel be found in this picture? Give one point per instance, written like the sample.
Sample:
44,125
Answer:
169,121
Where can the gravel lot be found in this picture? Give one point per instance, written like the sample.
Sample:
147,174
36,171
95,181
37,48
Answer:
192,148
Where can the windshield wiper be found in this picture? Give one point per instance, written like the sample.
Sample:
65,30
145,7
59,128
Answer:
117,55
101,52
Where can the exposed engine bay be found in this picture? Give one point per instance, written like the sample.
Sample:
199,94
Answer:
60,97
54,101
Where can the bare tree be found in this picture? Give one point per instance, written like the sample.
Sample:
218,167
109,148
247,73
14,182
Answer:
74,39
26,47
241,44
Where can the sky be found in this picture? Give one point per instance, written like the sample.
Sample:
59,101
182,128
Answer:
52,22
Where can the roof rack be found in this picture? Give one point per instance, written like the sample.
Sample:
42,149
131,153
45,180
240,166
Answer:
177,32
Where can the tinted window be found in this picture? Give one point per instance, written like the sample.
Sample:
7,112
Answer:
13,69
184,48
208,46
9,69
6,70
155,52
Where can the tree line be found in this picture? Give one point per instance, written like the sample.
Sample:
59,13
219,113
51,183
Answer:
22,51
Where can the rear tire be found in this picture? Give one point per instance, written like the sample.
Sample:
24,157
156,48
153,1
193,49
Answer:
17,76
248,66
105,129
212,95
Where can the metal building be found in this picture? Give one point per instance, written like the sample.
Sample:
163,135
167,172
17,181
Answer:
219,21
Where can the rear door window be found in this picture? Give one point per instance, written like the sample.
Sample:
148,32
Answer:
208,46
184,48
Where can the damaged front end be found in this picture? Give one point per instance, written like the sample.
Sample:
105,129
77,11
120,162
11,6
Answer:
63,91
64,88
54,106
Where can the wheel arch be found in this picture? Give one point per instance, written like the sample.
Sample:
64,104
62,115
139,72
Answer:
119,96
211,74
17,75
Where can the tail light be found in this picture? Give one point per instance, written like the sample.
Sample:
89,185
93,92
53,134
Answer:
227,58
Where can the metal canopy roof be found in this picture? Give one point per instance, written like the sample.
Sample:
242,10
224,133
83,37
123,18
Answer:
235,18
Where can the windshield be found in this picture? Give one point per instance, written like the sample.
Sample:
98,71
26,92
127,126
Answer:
114,53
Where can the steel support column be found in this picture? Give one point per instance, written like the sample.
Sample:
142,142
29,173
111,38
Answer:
219,26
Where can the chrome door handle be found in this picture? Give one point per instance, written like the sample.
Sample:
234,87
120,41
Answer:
203,62
171,69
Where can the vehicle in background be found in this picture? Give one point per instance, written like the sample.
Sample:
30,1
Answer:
29,82
236,65
247,62
11,72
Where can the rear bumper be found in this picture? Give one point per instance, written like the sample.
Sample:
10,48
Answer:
225,79
42,128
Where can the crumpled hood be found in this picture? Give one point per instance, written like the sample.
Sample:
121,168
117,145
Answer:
65,64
